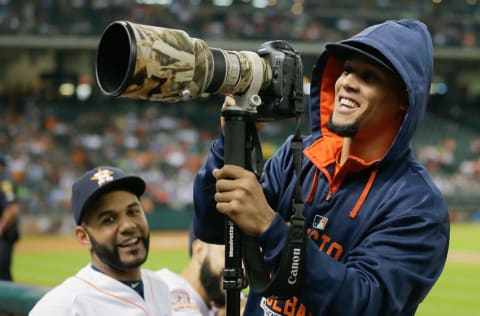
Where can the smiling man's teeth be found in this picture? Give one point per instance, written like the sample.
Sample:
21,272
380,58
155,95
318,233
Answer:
348,103
131,242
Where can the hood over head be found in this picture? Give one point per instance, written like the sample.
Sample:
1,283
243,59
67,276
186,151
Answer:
401,46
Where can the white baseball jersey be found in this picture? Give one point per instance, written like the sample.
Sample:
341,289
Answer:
91,293
185,300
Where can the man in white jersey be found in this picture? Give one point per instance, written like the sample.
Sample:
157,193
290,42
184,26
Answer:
198,289
111,224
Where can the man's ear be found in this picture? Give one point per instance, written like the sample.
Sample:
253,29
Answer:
82,236
199,250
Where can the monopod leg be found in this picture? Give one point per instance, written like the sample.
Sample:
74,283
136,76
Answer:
235,131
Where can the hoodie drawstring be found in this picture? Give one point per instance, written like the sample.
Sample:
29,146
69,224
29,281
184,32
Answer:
363,196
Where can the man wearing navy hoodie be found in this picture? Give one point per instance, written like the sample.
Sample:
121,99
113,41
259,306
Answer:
378,226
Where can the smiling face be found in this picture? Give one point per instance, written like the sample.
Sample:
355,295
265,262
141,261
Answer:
368,99
116,231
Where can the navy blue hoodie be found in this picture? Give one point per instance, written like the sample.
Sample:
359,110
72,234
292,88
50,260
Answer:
379,231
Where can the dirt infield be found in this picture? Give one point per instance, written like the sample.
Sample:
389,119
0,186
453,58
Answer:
158,240
464,257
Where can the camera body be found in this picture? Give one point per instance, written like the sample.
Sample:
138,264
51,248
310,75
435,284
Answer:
161,64
283,97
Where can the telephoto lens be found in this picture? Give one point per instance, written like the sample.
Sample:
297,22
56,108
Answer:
161,64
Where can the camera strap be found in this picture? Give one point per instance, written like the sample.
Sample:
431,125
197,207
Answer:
286,281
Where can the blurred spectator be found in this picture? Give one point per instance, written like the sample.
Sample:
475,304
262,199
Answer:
447,21
9,214
440,157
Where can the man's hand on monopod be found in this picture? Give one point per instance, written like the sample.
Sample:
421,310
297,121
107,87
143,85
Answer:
240,196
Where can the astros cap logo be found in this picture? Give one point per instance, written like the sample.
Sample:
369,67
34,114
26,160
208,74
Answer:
102,176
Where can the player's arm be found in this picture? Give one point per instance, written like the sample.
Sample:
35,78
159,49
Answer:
207,222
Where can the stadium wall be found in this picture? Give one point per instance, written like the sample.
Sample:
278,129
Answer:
17,299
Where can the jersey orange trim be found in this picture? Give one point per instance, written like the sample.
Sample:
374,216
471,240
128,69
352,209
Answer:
363,196
323,151
313,188
112,295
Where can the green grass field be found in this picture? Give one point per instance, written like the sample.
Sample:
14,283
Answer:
456,293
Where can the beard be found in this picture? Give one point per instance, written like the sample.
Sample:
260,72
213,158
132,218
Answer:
111,257
342,130
211,282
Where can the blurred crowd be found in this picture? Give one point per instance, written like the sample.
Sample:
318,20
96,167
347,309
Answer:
456,175
452,23
49,144
48,150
